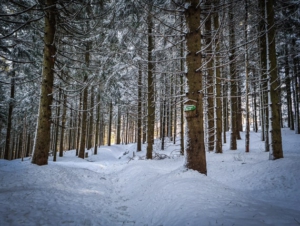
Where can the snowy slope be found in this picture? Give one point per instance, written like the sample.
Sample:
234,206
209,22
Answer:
113,188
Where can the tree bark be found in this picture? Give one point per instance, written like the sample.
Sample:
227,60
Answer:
139,119
209,80
56,126
181,94
195,147
217,86
233,80
97,137
288,89
263,65
9,117
109,124
70,135
255,124
42,143
275,141
83,120
63,125
296,89
118,140
91,120
247,130
78,124
150,98
224,109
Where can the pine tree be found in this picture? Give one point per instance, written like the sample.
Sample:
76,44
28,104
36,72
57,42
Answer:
42,143
195,147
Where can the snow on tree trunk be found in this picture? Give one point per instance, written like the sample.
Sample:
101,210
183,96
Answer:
275,141
42,143
247,131
195,147
63,125
217,86
210,133
233,82
150,99
9,118
139,119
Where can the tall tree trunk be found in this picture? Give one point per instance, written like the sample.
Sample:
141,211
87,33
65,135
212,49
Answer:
70,129
233,80
9,118
42,142
247,131
109,123
139,119
102,131
224,109
63,125
28,145
163,124
275,139
91,120
181,94
20,145
175,114
239,116
56,126
254,99
195,147
263,65
144,118
118,141
97,137
127,127
181,114
83,120
78,124
84,105
296,89
13,144
261,111
217,85
288,89
150,98
209,79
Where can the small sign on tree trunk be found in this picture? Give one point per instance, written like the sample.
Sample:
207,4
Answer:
190,109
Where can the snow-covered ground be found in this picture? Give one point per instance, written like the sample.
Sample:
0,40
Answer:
113,188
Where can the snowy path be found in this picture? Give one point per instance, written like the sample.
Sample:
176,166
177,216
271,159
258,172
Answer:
107,189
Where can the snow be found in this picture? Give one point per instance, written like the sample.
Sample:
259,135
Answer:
116,188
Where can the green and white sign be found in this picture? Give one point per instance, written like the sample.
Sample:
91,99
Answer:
189,108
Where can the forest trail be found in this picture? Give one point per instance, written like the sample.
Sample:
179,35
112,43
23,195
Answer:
115,189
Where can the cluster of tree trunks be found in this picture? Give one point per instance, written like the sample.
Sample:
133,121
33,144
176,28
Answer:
221,76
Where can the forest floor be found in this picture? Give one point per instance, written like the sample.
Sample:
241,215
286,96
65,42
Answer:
115,187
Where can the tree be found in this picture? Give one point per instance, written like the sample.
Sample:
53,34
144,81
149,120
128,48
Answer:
233,80
247,131
150,82
9,117
209,77
273,85
263,74
42,142
195,147
139,117
217,82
